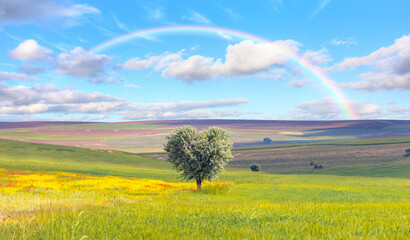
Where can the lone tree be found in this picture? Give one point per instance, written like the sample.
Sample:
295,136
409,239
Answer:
255,168
267,140
199,155
407,152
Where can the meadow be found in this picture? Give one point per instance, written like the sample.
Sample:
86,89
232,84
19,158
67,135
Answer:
60,192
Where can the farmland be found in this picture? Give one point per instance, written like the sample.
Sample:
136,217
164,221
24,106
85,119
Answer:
63,192
102,190
148,136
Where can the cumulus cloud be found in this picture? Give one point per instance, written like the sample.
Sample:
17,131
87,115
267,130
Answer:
39,99
80,63
244,58
380,81
391,68
30,50
157,62
49,98
27,11
195,68
381,57
328,108
317,57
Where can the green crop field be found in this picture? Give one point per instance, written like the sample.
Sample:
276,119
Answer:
56,192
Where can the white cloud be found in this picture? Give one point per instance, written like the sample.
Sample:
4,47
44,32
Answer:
225,36
380,81
328,108
339,42
22,100
195,68
13,76
244,58
391,68
78,10
132,86
120,25
27,11
400,49
276,74
26,109
322,5
299,83
29,50
198,18
157,62
31,70
248,57
317,57
81,63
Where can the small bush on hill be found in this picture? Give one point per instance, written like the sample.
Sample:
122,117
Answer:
407,152
255,168
318,166
267,140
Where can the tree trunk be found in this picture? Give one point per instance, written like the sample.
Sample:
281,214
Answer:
198,185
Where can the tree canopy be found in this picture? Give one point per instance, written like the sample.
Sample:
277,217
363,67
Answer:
199,155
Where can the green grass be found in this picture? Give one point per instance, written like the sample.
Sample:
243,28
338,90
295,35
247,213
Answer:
251,206
42,157
398,171
254,206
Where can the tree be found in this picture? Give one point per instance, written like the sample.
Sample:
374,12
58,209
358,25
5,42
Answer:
407,152
199,155
267,140
255,168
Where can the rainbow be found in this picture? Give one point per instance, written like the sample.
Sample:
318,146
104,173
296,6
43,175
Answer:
344,104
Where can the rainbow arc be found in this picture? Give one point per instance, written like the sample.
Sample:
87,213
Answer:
316,73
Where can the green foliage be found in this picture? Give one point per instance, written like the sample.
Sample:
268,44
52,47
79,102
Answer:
267,140
407,152
255,168
199,155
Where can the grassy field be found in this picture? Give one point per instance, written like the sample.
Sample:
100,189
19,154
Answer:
368,157
55,192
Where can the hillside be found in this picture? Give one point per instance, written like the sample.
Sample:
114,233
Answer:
148,136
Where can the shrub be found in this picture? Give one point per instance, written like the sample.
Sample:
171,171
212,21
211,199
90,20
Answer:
255,168
407,152
318,166
267,140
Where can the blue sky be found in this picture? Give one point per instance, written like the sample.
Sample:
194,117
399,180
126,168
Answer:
47,71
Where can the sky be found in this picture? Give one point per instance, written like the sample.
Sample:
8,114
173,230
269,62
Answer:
72,60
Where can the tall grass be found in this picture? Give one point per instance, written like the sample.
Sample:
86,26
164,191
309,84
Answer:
44,201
